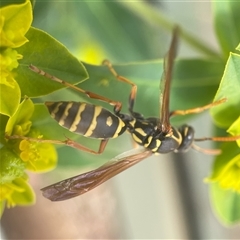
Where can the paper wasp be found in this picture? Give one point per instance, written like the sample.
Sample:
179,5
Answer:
155,135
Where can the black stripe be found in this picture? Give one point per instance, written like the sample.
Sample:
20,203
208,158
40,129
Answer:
72,112
59,113
102,130
86,119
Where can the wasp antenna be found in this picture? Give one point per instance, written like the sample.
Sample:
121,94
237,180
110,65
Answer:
207,151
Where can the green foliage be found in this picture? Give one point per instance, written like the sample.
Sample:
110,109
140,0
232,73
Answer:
225,114
226,204
86,34
226,20
12,166
226,171
19,123
9,107
15,22
51,56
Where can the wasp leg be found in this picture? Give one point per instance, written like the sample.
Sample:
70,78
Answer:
117,105
198,109
133,92
79,146
67,142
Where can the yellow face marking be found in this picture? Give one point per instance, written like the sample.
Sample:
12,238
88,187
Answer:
77,118
109,121
185,131
55,110
65,114
97,111
178,139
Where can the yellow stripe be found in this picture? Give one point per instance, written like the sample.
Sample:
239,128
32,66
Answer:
55,110
77,118
121,125
136,139
132,123
140,131
158,143
177,139
97,111
65,114
149,141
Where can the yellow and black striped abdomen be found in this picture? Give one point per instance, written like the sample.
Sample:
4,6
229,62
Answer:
86,119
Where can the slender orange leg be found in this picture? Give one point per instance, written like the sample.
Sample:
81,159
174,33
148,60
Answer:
67,142
117,105
133,92
198,109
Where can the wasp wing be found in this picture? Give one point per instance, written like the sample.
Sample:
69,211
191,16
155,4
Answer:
85,182
166,82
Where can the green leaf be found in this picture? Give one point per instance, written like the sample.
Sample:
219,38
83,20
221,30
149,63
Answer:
225,192
227,27
8,106
48,54
224,184
226,203
100,24
234,129
225,114
225,160
238,47
19,123
17,19
24,197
